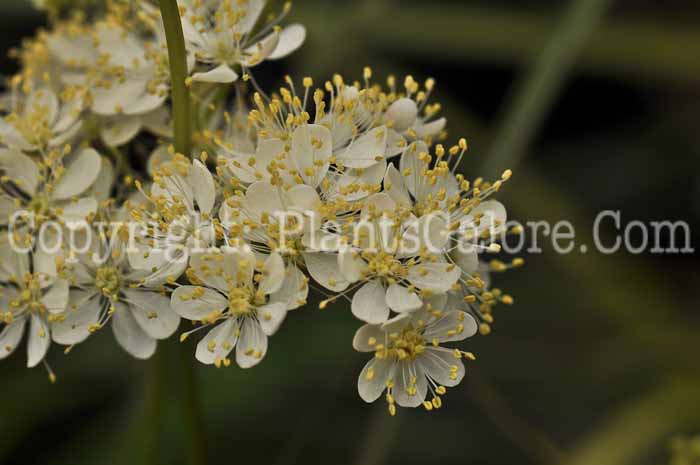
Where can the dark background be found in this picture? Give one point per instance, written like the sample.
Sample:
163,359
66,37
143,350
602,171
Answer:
594,105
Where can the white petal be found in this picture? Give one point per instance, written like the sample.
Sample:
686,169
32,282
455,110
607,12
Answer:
152,312
218,343
39,341
120,129
130,335
199,308
13,138
82,313
122,47
366,150
467,260
381,203
271,317
291,38
76,212
79,175
303,198
430,129
252,345
411,162
11,336
436,277
294,289
438,363
365,179
56,298
21,169
119,95
221,74
373,378
312,145
274,274
102,188
402,113
452,326
323,267
365,335
351,265
410,384
395,187
202,186
369,303
262,197
258,52
401,300
43,102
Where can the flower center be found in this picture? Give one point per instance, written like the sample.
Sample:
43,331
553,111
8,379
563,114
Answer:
384,265
29,296
406,345
108,281
240,301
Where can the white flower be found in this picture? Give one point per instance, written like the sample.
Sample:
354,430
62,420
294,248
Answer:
49,190
32,296
105,286
40,120
409,361
391,257
234,301
220,34
178,214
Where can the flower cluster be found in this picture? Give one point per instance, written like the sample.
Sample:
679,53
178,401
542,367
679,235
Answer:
346,190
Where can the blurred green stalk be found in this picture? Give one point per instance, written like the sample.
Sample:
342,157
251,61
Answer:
532,99
183,139
178,73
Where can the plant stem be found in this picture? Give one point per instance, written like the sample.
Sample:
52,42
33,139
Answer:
154,396
182,119
191,406
534,96
178,73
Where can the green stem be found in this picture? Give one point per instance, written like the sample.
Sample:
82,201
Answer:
534,96
178,74
191,406
155,391
182,119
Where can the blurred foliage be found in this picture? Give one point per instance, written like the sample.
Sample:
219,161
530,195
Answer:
596,363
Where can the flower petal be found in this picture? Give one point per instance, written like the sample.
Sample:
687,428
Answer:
323,267
20,169
271,316
291,38
218,343
373,378
367,337
222,74
202,186
11,336
452,326
252,345
273,275
401,300
351,265
402,114
436,277
152,312
294,289
365,151
369,303
410,384
79,175
312,148
119,129
56,298
82,313
39,341
197,309
442,366
130,335
395,187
